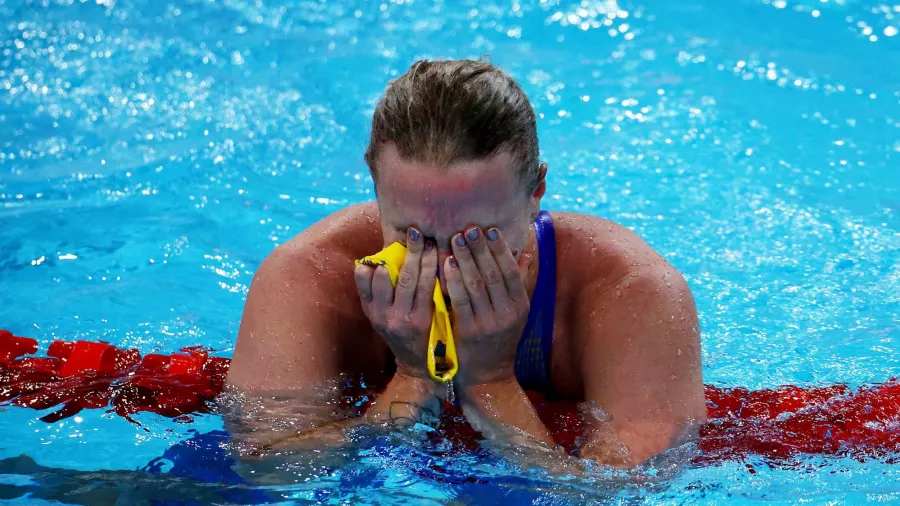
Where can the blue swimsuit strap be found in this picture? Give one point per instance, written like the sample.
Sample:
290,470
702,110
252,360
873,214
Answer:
536,346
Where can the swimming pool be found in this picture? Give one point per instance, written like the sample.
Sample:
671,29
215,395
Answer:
152,154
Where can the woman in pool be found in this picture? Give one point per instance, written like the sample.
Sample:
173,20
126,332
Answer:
571,305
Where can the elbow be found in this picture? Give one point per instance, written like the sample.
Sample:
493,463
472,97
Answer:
630,447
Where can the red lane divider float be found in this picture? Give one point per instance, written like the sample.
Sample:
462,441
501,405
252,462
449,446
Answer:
83,374
777,424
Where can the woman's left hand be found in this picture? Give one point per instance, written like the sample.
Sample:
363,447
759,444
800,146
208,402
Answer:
490,305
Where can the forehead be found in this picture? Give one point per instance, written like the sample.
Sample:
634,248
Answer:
445,200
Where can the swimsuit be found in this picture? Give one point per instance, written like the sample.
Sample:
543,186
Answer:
535,347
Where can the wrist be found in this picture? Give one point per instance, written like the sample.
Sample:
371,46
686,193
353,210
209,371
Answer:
407,398
502,409
414,381
408,373
488,391
486,377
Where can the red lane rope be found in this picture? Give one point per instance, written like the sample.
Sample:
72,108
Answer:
84,374
774,423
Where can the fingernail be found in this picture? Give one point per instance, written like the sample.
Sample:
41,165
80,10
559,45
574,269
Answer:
414,234
493,234
472,234
460,240
429,245
453,263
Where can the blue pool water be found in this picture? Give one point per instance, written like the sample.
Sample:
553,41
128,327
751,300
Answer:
153,152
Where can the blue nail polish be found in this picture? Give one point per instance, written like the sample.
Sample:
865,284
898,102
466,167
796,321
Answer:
453,264
493,234
472,234
414,234
460,240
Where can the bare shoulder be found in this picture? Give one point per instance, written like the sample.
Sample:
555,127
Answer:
634,338
312,273
316,267
302,320
346,234
600,254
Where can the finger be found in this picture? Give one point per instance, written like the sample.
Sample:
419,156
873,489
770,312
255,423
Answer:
459,296
404,294
427,276
513,275
382,291
474,284
362,275
487,265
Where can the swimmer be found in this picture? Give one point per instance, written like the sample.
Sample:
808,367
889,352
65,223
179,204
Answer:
570,305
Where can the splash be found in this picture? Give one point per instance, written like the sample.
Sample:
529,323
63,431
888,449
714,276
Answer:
777,424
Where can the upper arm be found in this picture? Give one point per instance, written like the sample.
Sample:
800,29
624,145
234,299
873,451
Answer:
302,323
641,360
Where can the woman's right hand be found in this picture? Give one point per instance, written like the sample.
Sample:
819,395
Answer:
402,315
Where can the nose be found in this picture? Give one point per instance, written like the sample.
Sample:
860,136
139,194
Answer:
443,254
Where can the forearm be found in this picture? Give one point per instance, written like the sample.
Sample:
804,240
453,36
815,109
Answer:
406,400
625,445
257,420
501,410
